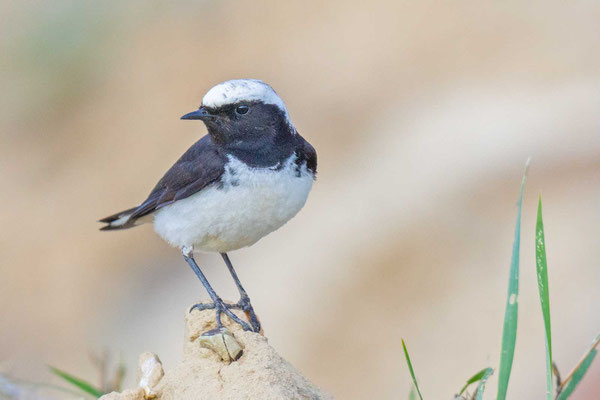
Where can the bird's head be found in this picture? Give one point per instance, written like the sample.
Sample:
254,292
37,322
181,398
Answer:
243,111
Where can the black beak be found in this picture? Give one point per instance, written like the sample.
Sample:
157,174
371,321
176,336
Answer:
202,114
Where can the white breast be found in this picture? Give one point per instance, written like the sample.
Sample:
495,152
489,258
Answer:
249,204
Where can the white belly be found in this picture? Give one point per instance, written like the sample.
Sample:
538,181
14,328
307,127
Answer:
251,203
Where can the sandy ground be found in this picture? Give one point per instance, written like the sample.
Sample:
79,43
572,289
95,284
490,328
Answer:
260,372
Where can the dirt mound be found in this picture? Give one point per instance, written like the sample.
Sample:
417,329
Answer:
206,371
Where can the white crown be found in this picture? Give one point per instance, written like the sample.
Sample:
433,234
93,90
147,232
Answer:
236,90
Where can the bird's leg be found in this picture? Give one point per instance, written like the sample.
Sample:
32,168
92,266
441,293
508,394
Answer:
218,305
244,302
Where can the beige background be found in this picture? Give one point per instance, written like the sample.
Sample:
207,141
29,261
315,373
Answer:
423,114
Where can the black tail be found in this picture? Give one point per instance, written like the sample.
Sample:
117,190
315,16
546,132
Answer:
119,220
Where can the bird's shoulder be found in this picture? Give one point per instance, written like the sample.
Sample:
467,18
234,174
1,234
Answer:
202,164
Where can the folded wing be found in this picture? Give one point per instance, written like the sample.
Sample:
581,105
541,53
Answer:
201,165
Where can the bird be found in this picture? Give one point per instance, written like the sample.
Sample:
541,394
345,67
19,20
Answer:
249,175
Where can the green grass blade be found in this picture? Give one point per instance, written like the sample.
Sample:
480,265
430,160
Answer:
482,382
410,368
509,331
579,371
412,395
77,382
542,278
11,387
481,377
577,376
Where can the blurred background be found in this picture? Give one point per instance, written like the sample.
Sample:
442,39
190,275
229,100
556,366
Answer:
422,113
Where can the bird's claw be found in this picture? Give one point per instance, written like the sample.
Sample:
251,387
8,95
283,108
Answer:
221,307
211,306
246,306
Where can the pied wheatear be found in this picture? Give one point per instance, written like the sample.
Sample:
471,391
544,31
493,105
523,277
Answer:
250,175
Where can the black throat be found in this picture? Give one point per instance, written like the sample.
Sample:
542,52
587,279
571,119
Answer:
264,152
263,138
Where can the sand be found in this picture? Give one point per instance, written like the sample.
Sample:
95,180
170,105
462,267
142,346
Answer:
205,373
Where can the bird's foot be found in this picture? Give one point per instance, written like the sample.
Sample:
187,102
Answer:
245,305
222,307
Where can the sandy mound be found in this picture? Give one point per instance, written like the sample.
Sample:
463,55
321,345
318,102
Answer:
259,373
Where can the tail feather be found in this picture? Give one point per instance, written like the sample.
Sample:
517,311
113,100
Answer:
121,220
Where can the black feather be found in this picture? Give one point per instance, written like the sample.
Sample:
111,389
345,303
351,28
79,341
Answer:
201,165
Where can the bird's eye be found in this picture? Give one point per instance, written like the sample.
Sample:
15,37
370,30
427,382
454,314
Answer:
242,110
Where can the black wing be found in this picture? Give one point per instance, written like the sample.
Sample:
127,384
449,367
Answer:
306,153
201,165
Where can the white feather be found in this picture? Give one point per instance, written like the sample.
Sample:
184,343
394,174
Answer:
251,203
236,90
125,218
121,221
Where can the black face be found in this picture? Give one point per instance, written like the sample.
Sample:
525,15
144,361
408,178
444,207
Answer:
256,133
246,123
